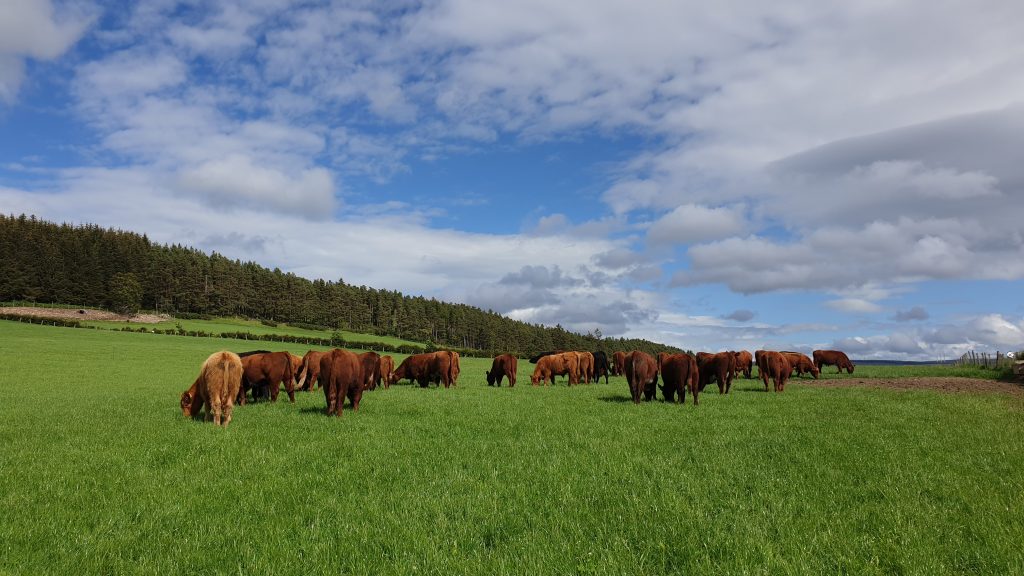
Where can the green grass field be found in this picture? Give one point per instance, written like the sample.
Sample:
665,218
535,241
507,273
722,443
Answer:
102,475
230,325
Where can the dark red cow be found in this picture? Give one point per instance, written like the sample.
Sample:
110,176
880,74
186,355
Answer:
267,370
503,366
801,363
776,368
679,372
641,375
341,376
720,367
835,358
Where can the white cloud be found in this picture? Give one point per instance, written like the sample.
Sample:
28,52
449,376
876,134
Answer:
237,181
854,305
692,223
33,29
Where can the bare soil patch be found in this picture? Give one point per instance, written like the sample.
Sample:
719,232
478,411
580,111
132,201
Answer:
944,384
82,314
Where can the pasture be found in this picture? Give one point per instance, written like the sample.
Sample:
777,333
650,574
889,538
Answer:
101,474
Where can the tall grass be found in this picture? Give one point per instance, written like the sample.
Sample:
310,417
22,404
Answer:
101,474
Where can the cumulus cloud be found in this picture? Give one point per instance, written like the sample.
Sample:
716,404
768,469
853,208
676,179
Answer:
237,181
691,223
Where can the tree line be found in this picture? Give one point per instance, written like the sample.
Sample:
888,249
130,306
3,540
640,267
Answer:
89,265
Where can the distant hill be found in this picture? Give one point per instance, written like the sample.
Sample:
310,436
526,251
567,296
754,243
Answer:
91,266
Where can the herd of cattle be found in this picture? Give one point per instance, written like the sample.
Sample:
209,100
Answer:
226,378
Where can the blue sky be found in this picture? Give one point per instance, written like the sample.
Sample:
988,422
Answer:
793,174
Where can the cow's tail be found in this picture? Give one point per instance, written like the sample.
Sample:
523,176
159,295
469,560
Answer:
302,375
451,367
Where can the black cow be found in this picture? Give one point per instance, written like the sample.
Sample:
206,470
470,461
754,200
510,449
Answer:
601,366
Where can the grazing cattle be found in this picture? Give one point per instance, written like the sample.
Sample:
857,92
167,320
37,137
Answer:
341,376
547,368
835,358
267,370
456,368
720,367
419,368
678,372
586,366
572,365
744,363
536,357
801,363
758,361
369,362
641,375
310,372
218,383
384,369
445,368
600,366
618,363
776,368
504,365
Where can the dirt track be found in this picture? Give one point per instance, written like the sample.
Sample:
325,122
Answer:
81,314
943,384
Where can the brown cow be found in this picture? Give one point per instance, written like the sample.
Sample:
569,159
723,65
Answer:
801,363
504,365
641,375
418,367
370,364
310,372
267,370
835,358
444,369
217,386
547,368
341,376
618,363
586,366
678,372
456,367
744,363
720,367
384,370
777,368
572,364
759,361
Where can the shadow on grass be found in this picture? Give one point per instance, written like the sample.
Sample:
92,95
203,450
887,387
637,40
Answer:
616,399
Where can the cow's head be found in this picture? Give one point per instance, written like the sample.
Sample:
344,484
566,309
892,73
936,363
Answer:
815,372
490,378
186,404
